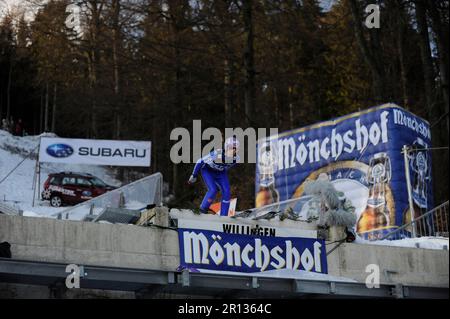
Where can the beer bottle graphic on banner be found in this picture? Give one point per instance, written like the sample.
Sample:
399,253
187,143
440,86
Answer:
267,167
376,215
420,177
420,169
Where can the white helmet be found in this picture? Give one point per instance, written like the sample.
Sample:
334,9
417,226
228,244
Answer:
231,142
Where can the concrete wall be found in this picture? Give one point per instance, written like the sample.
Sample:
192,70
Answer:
132,246
43,239
409,266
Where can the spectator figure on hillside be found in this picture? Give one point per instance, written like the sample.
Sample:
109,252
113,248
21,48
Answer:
5,125
19,128
12,125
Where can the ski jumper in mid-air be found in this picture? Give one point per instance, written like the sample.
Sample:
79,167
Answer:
213,168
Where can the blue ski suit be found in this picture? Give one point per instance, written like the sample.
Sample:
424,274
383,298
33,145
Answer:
213,168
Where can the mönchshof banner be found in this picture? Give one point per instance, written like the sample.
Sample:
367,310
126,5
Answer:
361,154
94,152
233,248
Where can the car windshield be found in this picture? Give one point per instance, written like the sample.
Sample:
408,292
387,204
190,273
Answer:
97,182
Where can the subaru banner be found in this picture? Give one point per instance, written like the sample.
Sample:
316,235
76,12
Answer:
361,154
256,250
94,152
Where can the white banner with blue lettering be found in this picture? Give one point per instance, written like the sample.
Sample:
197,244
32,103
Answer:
94,152
250,249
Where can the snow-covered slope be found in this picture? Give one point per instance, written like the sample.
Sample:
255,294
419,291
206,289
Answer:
17,189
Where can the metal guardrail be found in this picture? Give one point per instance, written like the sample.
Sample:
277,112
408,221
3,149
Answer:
297,204
9,210
136,195
433,223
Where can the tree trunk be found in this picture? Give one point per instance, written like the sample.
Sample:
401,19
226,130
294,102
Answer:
1,100
281,97
155,146
93,61
249,62
46,109
92,89
36,111
370,56
291,108
8,90
425,53
116,45
54,109
229,92
276,121
403,78
177,13
41,113
401,27
442,44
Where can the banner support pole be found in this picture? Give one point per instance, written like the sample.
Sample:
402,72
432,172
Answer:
39,179
34,183
408,185
37,174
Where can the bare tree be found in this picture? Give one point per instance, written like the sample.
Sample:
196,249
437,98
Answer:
441,32
425,52
249,63
371,56
115,51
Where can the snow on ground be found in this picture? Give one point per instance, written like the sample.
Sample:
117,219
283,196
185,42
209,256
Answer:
421,242
17,189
